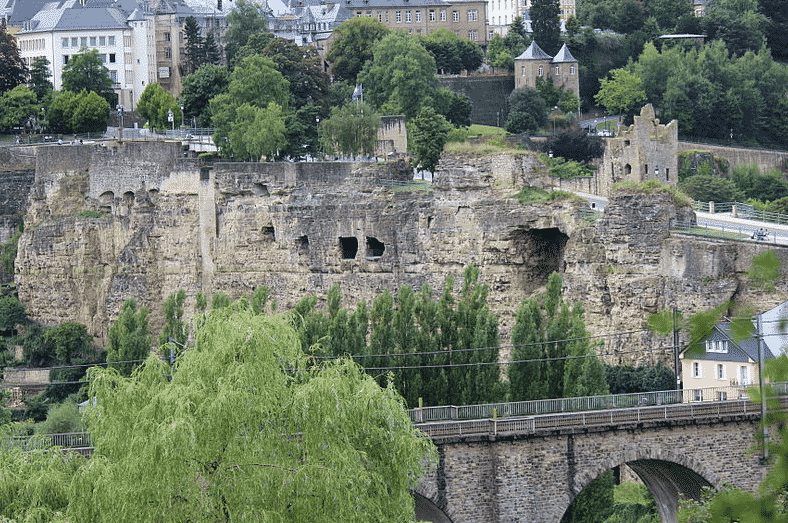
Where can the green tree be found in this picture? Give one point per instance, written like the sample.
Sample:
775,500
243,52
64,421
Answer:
254,82
455,107
211,51
527,111
498,55
195,46
90,113
668,12
400,79
86,71
546,25
257,133
766,187
351,130
428,133
174,327
452,53
707,188
129,340
68,340
737,23
154,105
13,71
353,45
40,76
198,89
12,313
17,107
247,19
575,144
517,39
777,27
623,93
263,437
60,111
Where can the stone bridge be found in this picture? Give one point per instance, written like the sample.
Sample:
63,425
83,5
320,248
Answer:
529,469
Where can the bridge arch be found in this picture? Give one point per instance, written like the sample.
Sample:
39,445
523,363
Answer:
666,473
428,510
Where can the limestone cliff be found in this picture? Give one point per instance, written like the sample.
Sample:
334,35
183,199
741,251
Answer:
140,220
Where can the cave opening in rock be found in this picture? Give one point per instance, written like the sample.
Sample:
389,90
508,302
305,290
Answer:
302,245
349,247
375,247
540,252
267,233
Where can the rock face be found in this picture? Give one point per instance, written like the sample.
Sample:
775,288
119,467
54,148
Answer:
142,221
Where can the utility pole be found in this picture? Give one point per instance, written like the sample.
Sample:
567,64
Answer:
764,427
676,367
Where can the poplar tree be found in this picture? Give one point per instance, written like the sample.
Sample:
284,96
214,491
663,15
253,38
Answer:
129,340
546,25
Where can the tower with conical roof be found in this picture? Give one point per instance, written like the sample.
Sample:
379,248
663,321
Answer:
535,63
532,64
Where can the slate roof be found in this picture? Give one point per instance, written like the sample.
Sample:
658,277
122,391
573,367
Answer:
563,56
743,351
775,328
534,52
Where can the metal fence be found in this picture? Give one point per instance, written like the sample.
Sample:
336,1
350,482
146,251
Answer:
588,403
741,210
733,231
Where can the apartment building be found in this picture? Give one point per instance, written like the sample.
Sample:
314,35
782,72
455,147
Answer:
139,42
501,13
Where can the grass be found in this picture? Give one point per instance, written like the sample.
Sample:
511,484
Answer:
714,233
632,493
533,195
485,130
654,187
492,146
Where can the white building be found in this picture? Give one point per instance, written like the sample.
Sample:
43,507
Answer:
138,42
501,13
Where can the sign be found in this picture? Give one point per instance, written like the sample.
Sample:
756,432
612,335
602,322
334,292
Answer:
164,72
170,116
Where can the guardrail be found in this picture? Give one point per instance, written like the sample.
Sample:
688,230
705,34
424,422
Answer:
741,210
587,403
622,417
732,231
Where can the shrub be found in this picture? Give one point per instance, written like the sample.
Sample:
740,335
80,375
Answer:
62,418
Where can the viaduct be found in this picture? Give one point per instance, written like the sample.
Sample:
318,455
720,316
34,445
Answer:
529,469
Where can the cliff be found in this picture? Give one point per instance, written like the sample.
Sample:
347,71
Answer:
141,220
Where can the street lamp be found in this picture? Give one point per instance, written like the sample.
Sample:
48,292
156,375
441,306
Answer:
120,128
181,116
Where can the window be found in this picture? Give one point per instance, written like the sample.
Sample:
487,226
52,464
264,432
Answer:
571,69
103,58
168,39
64,42
167,52
473,35
432,15
113,76
744,375
112,58
455,16
473,15
557,69
541,71
398,16
380,17
65,59
443,15
720,371
418,16
92,41
522,70
408,17
696,369
722,396
490,35
698,396
111,41
74,41
102,41
83,41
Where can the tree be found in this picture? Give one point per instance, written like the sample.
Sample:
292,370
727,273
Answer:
68,340
155,104
575,144
455,107
90,113
737,23
527,111
174,327
707,188
498,55
257,132
351,130
195,46
354,41
621,94
777,27
262,436
668,12
452,53
129,340
17,107
546,25
400,79
429,132
247,19
40,76
254,82
60,111
12,69
198,89
553,96
12,313
86,72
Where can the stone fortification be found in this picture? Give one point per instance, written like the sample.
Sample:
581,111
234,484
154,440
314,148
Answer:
764,159
301,228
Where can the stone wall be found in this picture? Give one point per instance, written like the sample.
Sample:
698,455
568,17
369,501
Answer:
738,156
392,136
488,94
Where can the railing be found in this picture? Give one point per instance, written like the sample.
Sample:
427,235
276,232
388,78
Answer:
587,403
741,210
71,440
733,231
